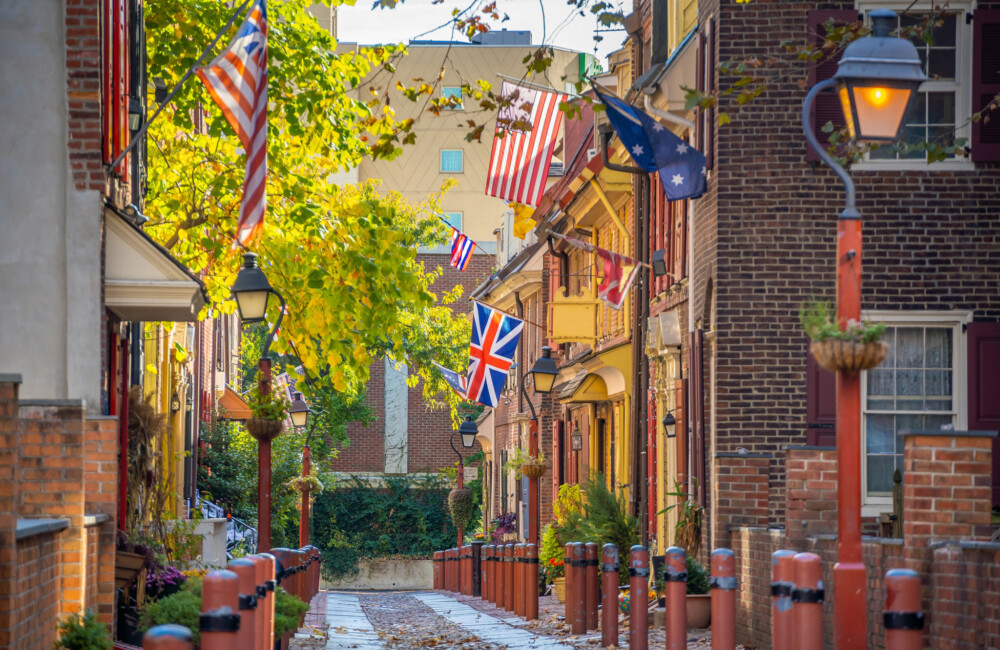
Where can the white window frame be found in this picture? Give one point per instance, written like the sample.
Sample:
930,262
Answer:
441,168
962,85
872,506
456,91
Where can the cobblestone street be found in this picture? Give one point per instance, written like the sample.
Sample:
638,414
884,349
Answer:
371,620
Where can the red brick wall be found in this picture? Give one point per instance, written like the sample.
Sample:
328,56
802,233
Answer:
366,451
966,595
83,78
773,222
38,585
741,490
811,493
8,503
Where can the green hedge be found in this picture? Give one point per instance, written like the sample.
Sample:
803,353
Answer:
395,516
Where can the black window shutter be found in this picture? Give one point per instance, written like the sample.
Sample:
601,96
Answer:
986,84
821,404
826,108
984,388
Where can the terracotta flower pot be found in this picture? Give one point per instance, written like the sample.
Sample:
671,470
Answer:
263,429
699,611
533,470
848,356
559,588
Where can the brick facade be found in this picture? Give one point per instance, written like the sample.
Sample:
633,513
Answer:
83,86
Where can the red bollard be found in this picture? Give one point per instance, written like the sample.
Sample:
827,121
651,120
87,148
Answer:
531,582
638,598
519,579
486,579
675,576
782,582
466,570
807,599
591,585
453,569
246,570
499,578
570,586
270,584
578,624
168,637
436,563
220,618
259,566
508,574
903,619
609,593
723,583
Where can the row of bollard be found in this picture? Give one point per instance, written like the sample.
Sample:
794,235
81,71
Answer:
507,576
237,603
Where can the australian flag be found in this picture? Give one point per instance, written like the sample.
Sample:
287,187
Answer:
455,380
654,148
491,352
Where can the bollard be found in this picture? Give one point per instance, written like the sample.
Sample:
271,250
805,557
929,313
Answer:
609,592
638,595
461,570
220,619
807,599
271,568
298,576
499,579
578,624
571,586
519,579
477,569
445,569
260,590
436,564
903,619
453,562
246,570
488,573
168,637
591,586
675,585
508,574
782,582
723,584
531,582
467,574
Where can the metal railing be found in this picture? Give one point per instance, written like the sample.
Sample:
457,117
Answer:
238,532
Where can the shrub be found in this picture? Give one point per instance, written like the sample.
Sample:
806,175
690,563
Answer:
181,608
605,519
550,556
288,611
697,577
83,632
460,504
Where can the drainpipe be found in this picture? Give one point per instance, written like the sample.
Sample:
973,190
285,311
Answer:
563,266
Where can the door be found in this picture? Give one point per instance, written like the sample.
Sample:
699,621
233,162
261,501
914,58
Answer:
984,388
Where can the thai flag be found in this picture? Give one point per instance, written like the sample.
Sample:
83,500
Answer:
455,380
461,249
237,81
491,352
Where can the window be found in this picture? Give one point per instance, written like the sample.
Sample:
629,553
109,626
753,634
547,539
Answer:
451,161
918,386
453,92
454,219
941,108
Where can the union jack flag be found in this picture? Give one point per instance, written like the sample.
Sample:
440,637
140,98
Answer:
461,249
491,352
237,81
455,380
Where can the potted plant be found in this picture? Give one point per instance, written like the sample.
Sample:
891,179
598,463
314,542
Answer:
530,466
687,535
699,601
856,347
306,484
461,505
268,414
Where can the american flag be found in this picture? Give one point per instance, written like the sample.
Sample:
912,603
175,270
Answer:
461,249
455,380
491,352
237,81
519,163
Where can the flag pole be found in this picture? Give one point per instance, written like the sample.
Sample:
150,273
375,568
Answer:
585,244
187,75
507,313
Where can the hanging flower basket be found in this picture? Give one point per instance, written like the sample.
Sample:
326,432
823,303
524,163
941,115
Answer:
264,429
533,470
306,484
849,356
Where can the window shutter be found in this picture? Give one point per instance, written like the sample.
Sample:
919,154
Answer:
986,84
107,78
678,246
699,84
826,108
821,404
984,387
697,413
709,71
680,430
558,461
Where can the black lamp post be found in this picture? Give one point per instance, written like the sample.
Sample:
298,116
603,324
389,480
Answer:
251,291
670,424
877,79
468,430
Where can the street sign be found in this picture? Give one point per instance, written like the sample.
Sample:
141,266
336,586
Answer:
470,473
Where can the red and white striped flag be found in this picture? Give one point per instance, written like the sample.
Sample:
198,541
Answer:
519,163
461,249
237,81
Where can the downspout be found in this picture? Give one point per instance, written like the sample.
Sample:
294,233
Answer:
563,266
520,355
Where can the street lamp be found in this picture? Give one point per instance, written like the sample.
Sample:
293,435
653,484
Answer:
877,78
576,438
299,411
670,424
301,415
544,372
251,290
468,430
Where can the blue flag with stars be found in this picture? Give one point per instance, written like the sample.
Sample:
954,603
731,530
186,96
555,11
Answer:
654,148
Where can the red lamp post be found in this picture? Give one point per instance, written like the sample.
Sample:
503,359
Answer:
544,374
251,291
469,431
301,414
877,79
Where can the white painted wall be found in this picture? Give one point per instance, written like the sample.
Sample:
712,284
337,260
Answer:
397,413
50,246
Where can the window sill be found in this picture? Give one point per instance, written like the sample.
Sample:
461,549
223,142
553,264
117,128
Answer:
873,510
914,166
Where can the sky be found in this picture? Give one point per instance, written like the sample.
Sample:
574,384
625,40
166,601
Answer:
563,26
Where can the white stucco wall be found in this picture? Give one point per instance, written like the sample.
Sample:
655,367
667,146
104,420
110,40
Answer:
50,301
396,418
